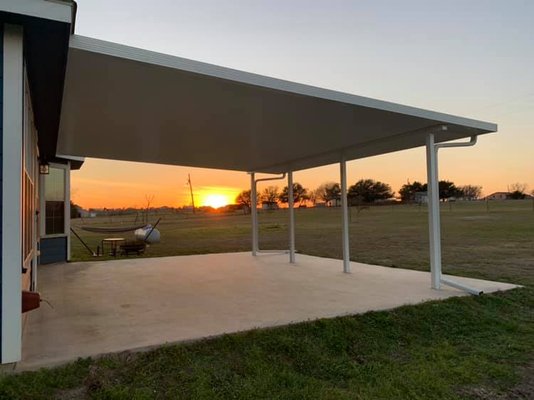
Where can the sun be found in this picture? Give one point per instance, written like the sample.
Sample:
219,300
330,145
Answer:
216,200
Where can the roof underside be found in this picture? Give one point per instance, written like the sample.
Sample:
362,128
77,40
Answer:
129,104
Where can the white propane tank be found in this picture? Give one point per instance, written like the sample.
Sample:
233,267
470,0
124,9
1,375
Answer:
141,234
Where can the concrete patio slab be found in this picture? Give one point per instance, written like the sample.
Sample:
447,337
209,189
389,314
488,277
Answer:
105,307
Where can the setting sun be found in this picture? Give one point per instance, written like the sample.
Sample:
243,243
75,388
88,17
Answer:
216,200
215,196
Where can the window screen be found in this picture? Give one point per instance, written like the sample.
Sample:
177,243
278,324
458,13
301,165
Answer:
55,201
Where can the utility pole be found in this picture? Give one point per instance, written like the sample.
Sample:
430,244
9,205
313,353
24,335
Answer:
191,191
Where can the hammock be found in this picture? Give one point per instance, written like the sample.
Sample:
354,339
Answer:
112,229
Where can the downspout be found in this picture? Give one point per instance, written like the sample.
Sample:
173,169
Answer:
446,281
471,142
291,209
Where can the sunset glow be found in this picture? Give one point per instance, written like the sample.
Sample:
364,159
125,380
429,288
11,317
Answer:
215,196
216,200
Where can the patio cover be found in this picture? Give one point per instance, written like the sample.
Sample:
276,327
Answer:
130,104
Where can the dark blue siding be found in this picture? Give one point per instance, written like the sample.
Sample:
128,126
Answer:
1,163
53,250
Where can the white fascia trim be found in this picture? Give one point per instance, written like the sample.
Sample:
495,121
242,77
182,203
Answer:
197,67
46,9
72,158
12,194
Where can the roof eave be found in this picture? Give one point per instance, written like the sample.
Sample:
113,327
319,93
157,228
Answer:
57,10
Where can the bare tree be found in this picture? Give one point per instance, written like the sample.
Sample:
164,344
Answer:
148,201
518,187
517,190
470,192
270,194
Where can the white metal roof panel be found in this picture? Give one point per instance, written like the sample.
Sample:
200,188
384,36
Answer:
130,104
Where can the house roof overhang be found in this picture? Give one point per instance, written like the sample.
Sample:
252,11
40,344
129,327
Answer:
47,26
130,104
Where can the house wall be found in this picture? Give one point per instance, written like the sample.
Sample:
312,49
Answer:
34,38
11,219
53,250
498,196
1,166
55,246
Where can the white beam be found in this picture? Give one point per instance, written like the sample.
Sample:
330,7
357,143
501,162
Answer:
345,216
434,225
12,194
52,10
291,205
254,213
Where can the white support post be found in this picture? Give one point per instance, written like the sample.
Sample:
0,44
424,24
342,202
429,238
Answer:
11,263
254,213
67,208
434,226
345,216
291,205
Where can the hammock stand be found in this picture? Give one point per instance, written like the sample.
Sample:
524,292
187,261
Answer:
111,229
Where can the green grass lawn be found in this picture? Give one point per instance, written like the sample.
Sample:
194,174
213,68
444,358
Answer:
471,347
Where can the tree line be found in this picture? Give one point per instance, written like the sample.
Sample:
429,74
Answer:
447,189
364,191
368,191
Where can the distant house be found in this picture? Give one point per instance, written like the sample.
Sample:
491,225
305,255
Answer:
498,196
333,203
269,205
86,213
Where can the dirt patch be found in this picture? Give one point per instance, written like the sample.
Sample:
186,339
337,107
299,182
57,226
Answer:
478,218
524,390
72,394
101,376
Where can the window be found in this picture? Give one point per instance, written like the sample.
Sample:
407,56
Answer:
54,185
29,180
28,212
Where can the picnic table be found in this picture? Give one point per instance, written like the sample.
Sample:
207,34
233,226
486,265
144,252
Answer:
113,243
